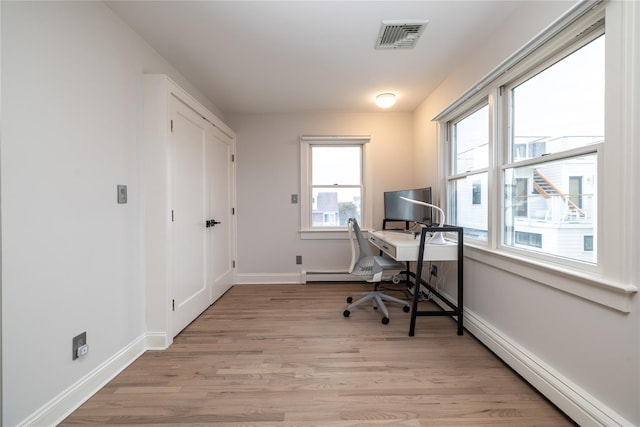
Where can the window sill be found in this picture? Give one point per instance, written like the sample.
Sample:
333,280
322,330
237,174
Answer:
326,234
589,286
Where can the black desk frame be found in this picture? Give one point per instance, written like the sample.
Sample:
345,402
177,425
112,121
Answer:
456,309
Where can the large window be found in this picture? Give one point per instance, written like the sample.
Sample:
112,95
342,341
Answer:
556,118
557,179
468,202
543,151
334,184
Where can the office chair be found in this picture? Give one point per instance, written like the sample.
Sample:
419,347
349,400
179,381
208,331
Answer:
364,263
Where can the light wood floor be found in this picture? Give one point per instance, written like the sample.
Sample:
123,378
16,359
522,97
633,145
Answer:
283,355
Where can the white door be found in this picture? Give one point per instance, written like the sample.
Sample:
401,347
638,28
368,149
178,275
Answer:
220,204
190,292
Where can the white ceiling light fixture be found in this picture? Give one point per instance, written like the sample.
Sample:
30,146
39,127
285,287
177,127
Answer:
385,100
400,34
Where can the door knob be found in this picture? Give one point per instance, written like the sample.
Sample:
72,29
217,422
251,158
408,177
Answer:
212,222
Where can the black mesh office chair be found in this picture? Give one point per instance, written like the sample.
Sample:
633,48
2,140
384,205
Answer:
364,263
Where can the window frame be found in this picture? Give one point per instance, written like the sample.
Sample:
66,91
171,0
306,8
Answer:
475,105
610,281
307,231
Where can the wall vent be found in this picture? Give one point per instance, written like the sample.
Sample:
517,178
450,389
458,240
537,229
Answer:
400,34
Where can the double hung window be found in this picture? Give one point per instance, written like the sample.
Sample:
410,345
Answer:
550,177
523,154
551,198
524,161
333,183
467,183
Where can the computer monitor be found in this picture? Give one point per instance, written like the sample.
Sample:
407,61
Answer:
396,209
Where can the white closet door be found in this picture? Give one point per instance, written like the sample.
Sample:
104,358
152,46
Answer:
189,288
220,196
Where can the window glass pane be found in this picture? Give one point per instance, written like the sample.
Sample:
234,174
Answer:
471,142
562,107
463,209
547,211
336,165
331,206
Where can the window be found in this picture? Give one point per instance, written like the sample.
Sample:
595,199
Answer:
529,239
556,117
477,192
556,207
468,204
336,184
588,243
521,197
333,185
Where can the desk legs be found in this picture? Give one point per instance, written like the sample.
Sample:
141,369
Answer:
457,310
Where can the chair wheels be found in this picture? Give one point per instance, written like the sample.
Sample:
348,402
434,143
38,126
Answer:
349,300
406,309
346,313
385,320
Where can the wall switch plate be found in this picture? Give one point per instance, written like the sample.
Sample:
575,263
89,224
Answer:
122,194
294,198
76,343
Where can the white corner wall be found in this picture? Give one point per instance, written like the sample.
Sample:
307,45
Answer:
583,356
72,258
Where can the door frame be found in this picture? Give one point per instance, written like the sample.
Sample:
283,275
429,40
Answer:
155,160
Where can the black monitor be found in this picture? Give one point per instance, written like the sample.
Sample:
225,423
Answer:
396,209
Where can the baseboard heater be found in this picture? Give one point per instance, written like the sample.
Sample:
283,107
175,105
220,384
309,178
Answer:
329,276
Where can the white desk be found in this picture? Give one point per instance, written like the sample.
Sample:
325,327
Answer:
403,246
406,247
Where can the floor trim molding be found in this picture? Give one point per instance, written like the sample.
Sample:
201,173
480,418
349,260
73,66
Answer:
58,408
580,406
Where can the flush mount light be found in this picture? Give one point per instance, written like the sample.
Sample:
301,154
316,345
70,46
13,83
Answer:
385,100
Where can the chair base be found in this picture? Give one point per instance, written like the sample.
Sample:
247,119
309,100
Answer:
378,298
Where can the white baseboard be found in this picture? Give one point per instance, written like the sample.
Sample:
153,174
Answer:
574,401
261,278
60,407
298,278
158,341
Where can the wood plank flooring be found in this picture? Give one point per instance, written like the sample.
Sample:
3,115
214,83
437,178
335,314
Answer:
283,355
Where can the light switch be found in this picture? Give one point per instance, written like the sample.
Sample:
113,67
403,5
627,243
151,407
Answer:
122,194
294,198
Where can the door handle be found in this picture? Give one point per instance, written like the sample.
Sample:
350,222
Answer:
212,222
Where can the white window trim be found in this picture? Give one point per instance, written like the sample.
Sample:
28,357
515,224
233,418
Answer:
306,141
611,282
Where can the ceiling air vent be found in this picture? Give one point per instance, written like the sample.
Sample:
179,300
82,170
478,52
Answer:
400,34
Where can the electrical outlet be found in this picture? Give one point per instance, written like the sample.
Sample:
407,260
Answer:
77,343
83,350
434,270
298,259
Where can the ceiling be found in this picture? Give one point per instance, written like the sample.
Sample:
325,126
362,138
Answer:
298,56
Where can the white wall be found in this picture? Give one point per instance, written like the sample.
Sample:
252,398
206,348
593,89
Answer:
268,172
579,353
72,257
